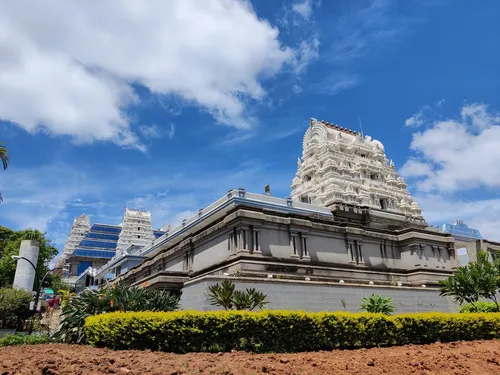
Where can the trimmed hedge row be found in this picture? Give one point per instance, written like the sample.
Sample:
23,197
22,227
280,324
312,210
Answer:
20,339
479,307
281,331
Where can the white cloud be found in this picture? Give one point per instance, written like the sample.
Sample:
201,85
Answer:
460,153
415,168
74,76
421,117
34,198
303,8
297,89
171,133
150,131
307,52
482,214
415,121
454,158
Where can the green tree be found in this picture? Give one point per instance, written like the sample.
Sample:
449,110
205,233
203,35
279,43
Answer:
14,307
377,304
479,279
11,246
226,296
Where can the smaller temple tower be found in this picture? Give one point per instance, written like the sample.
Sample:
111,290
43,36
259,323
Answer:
136,229
80,227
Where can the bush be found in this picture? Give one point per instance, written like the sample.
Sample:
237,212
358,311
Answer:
119,297
377,304
281,331
20,339
483,307
14,307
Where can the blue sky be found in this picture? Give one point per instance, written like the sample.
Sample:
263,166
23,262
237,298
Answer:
167,105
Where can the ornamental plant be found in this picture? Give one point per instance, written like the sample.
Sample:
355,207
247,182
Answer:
479,307
377,304
479,279
119,297
225,295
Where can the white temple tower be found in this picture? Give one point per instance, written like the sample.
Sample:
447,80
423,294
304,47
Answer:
80,227
136,229
341,169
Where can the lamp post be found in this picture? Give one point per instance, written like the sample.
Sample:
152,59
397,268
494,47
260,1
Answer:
40,284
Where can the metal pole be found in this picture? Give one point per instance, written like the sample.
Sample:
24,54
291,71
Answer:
37,295
27,260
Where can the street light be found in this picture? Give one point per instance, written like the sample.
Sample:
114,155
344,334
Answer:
40,284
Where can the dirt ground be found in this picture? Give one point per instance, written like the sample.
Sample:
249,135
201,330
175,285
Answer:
476,357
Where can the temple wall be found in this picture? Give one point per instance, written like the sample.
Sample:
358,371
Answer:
312,296
175,264
211,251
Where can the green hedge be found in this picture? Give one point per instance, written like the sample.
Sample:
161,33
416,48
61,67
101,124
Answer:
485,307
20,339
281,331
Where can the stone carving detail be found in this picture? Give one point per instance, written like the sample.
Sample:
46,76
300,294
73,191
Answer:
338,165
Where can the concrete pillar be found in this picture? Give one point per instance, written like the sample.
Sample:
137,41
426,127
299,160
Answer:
25,273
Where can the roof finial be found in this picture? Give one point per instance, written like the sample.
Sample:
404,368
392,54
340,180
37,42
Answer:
361,126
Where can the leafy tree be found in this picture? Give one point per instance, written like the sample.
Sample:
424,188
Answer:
226,296
11,245
479,279
462,285
119,297
377,304
14,307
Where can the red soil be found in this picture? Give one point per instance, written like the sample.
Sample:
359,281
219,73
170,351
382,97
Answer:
476,357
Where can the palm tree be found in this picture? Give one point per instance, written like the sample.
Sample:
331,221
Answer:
4,157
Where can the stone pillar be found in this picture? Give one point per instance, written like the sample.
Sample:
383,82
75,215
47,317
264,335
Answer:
25,273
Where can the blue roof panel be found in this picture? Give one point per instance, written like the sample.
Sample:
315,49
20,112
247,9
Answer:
103,228
98,244
101,236
93,253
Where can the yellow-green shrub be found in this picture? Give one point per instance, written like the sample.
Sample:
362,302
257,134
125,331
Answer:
281,331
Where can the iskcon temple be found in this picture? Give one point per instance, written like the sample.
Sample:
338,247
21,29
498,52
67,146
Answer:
349,228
